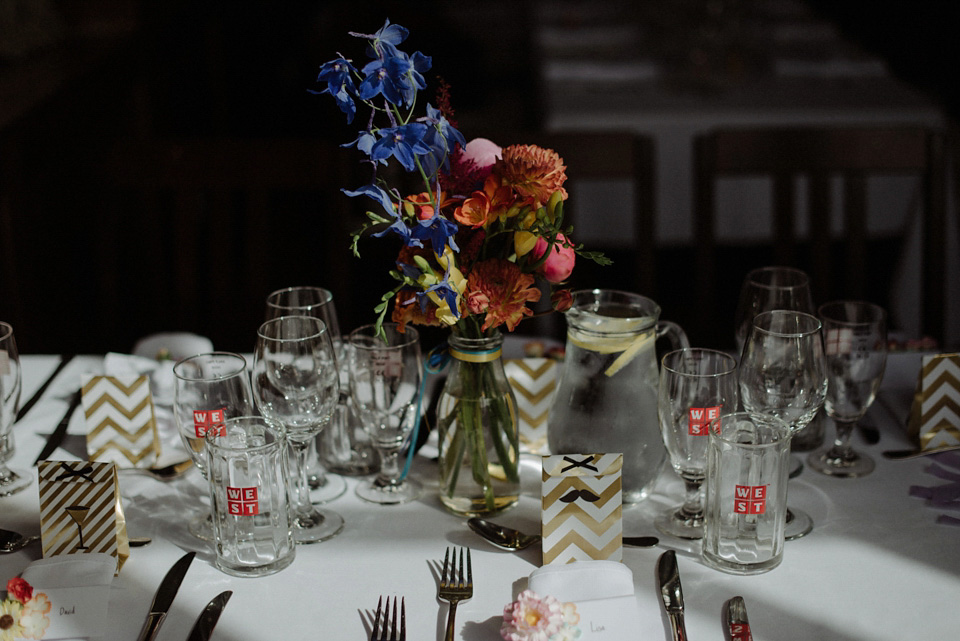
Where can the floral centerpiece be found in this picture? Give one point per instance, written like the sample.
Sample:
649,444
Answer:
480,240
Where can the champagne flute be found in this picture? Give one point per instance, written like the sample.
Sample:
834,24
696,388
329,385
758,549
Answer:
696,385
296,382
11,480
783,373
208,389
385,379
316,302
855,342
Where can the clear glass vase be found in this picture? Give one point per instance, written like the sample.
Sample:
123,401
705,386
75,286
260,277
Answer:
478,430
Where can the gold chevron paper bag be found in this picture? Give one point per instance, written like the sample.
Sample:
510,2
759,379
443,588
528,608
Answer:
534,383
80,510
120,421
582,508
935,414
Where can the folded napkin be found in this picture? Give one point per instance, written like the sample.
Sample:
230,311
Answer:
71,592
604,595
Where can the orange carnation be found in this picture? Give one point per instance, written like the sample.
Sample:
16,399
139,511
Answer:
533,172
498,287
483,207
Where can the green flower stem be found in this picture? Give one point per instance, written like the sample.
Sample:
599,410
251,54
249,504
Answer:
454,456
500,411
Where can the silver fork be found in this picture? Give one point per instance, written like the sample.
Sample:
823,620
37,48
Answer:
388,631
454,588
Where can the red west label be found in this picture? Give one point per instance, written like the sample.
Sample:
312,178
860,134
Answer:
206,420
242,501
750,499
699,418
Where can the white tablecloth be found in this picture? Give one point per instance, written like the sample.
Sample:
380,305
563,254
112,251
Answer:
876,567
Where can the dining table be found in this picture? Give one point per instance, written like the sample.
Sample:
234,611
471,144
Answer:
877,566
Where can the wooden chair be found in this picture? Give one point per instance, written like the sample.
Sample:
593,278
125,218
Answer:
820,155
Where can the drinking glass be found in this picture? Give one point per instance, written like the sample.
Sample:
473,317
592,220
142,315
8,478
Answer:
208,389
783,373
696,385
385,376
11,480
318,303
295,381
855,343
765,289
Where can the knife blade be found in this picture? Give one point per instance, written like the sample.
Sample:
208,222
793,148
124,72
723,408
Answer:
203,628
64,359
668,580
164,597
56,438
737,620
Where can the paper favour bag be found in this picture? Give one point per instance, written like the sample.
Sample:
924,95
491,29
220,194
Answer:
534,383
582,508
80,510
935,414
121,427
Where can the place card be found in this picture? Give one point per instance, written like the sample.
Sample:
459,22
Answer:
534,383
80,510
121,427
582,508
70,595
935,414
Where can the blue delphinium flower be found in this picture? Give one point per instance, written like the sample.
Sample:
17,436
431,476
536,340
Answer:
403,143
397,77
398,226
439,231
337,74
440,137
386,38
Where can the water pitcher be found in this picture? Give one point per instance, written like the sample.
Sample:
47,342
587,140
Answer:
607,397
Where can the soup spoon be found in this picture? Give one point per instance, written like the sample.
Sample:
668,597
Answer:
507,538
11,541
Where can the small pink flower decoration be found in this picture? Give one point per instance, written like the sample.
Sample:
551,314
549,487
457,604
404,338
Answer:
535,618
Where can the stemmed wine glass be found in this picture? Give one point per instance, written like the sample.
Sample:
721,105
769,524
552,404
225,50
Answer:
318,303
208,389
783,373
11,480
295,381
385,376
855,342
696,385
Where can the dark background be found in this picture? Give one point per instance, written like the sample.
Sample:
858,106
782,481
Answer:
97,253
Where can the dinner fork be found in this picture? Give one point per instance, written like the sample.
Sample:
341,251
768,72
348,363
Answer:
380,633
454,588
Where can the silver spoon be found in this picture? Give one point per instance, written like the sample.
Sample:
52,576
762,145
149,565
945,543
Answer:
11,541
165,473
899,455
507,538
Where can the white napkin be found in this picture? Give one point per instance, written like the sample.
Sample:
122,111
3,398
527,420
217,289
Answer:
78,589
604,594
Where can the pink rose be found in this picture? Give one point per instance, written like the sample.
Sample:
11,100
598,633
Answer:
477,302
559,264
19,589
482,152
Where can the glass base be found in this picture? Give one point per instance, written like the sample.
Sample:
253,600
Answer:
844,464
15,481
316,526
799,524
680,524
383,493
202,527
326,487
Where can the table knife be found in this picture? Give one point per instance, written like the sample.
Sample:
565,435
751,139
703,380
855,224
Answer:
737,620
668,580
164,597
66,358
203,628
56,438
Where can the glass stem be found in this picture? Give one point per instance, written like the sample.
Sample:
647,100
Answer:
841,444
389,468
692,507
300,450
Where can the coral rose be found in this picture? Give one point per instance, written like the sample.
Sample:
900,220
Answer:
482,152
19,589
559,264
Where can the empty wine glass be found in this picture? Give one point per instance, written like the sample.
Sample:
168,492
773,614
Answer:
296,382
11,480
696,385
783,373
208,389
855,343
385,376
318,303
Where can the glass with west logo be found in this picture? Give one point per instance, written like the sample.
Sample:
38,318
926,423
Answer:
696,385
748,460
208,389
248,487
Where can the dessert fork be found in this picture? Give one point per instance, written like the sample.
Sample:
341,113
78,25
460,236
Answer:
388,630
454,588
